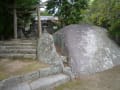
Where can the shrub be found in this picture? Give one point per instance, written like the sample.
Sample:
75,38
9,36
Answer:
115,31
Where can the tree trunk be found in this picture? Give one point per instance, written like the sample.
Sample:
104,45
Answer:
15,20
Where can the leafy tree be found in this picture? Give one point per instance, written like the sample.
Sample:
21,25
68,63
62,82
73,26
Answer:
100,12
45,13
106,13
6,14
67,12
5,19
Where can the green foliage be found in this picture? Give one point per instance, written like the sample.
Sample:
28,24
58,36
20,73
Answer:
5,19
24,8
26,3
67,13
106,13
115,29
45,13
99,13
6,14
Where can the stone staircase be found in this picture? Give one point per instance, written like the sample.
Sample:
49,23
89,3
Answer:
18,49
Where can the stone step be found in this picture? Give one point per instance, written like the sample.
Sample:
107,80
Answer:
18,47
15,51
18,44
15,41
18,55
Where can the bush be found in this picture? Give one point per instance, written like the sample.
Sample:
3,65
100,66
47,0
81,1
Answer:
115,31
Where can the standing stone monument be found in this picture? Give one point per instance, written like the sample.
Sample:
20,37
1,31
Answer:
46,51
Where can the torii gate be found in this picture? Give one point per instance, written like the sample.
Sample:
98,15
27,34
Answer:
15,20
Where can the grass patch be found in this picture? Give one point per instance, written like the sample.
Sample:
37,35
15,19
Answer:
3,75
69,85
31,67
10,68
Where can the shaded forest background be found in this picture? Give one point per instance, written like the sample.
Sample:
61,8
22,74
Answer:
104,13
23,8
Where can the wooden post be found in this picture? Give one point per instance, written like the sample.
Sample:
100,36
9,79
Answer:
39,22
15,20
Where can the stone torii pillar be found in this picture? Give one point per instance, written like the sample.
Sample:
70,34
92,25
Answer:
39,21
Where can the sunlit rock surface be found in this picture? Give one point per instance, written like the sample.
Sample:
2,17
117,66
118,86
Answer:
88,47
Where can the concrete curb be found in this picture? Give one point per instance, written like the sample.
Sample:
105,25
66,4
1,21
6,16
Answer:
13,81
45,83
49,82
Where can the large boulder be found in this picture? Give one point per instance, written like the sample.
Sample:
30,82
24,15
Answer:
88,47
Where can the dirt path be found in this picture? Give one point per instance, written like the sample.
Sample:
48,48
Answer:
107,80
12,66
17,67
